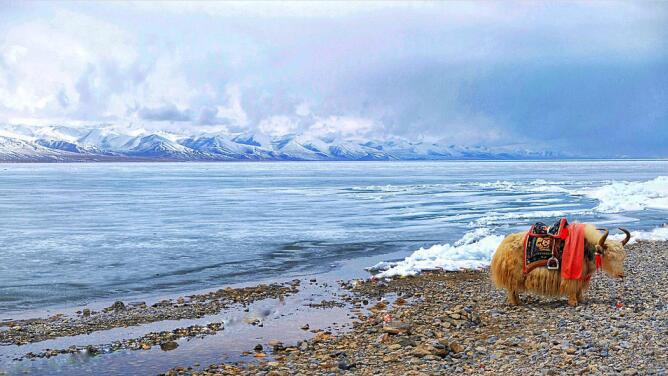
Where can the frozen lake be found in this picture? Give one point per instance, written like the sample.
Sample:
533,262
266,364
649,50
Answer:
74,233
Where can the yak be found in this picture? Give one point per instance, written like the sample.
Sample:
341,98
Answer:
508,260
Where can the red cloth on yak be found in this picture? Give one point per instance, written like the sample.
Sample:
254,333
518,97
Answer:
572,258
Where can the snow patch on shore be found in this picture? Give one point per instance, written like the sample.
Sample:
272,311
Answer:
657,234
623,196
473,251
533,186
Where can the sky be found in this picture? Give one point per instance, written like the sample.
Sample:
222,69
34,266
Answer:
580,77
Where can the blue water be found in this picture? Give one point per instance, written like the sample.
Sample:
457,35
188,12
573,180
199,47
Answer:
74,233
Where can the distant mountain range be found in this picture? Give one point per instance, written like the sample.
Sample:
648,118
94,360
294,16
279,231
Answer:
106,143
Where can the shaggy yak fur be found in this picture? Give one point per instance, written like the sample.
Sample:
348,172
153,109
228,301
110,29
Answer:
508,260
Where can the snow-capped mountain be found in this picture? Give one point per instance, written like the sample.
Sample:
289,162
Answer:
106,143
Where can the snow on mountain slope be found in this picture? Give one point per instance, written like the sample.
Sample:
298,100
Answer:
14,149
106,139
290,149
350,150
156,146
72,147
218,147
70,143
253,139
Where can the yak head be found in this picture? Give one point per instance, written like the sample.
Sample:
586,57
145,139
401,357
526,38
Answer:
613,254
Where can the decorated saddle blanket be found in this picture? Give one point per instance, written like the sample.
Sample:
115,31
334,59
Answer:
543,243
558,247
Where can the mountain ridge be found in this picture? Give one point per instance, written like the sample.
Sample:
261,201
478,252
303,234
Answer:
60,143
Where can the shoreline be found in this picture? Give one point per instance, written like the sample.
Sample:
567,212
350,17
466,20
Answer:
352,268
434,322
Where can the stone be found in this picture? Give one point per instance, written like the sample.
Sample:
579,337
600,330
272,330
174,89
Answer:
422,350
456,347
345,365
396,327
118,306
276,345
390,358
169,346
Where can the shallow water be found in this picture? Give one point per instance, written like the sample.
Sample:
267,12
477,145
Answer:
76,233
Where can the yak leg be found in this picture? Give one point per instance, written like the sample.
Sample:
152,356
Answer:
513,297
573,299
580,296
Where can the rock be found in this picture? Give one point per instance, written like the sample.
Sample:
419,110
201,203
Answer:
118,306
276,345
456,348
169,346
440,349
92,350
396,327
570,351
344,365
390,358
321,336
86,312
305,327
258,347
422,350
146,346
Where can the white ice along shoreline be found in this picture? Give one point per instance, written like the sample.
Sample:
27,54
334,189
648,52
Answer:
475,249
622,196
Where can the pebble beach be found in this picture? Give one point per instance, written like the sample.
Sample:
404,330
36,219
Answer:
433,323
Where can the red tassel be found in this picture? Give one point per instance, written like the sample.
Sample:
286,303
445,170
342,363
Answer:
598,262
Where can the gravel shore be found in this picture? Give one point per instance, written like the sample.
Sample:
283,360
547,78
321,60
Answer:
435,323
441,323
119,314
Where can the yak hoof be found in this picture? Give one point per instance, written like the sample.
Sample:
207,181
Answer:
513,299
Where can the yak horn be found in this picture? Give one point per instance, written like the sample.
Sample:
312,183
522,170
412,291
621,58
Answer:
601,242
628,235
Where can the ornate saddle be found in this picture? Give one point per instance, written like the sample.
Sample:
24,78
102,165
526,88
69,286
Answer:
544,245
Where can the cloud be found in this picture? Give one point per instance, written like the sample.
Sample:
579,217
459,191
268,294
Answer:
278,125
343,126
232,111
164,113
465,72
